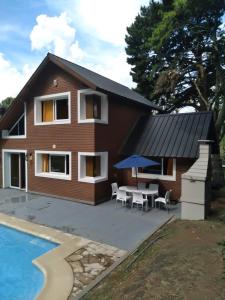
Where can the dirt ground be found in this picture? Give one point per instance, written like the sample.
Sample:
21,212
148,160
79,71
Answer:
186,263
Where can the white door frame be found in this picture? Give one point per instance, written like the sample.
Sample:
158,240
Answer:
4,153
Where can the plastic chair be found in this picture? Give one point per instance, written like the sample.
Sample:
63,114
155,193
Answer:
138,198
114,186
122,197
141,185
154,187
165,200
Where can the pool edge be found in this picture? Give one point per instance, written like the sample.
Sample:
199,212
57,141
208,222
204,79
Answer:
57,272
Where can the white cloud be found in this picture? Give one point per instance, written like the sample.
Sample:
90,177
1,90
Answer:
12,80
55,34
105,20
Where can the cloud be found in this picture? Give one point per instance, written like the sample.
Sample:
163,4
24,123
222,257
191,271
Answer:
87,32
11,79
55,34
105,20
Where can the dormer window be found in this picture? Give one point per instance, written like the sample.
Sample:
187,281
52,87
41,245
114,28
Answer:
52,109
92,107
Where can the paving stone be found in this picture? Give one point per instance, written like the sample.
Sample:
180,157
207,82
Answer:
77,266
75,257
84,278
93,259
94,266
77,284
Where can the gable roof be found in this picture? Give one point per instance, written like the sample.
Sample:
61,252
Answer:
174,135
98,81
90,78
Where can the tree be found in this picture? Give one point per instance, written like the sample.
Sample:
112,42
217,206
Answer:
176,49
6,102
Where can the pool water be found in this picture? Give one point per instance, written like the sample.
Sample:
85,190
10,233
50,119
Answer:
19,278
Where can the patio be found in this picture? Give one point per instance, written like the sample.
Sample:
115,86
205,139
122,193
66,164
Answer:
120,227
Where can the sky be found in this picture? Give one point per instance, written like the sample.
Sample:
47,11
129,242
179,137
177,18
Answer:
88,32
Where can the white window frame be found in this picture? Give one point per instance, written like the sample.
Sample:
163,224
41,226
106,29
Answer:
82,167
5,133
81,107
37,108
157,176
6,170
55,175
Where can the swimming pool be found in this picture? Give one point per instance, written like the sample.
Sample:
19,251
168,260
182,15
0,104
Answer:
19,278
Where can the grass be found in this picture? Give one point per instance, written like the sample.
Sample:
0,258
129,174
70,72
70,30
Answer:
188,262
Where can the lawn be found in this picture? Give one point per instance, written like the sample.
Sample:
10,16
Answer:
187,262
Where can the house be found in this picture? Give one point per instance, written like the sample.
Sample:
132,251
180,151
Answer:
173,141
68,126
62,133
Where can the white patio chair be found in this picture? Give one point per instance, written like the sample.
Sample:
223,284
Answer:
122,197
165,200
154,187
139,199
141,185
114,186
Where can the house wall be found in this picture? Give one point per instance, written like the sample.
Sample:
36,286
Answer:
122,119
72,137
182,165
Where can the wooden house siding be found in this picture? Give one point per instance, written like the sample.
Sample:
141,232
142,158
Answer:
72,137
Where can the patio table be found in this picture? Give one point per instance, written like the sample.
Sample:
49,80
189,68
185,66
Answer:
146,192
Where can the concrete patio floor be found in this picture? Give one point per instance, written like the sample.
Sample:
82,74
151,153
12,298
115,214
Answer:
120,227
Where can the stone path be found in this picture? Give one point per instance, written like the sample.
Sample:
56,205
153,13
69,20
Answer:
89,262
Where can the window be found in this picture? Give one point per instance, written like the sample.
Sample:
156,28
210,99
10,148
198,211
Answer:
92,166
92,107
166,170
53,164
18,129
52,109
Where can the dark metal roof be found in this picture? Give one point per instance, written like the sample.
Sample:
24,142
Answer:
174,135
104,83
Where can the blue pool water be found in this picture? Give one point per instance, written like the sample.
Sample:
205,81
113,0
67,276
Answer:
19,278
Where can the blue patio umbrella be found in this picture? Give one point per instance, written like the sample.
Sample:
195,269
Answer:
135,161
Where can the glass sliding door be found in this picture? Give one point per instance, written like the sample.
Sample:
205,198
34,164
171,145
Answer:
18,172
22,171
15,170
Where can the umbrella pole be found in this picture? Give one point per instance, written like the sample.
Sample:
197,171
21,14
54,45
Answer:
136,178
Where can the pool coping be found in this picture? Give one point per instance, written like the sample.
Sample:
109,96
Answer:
57,272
